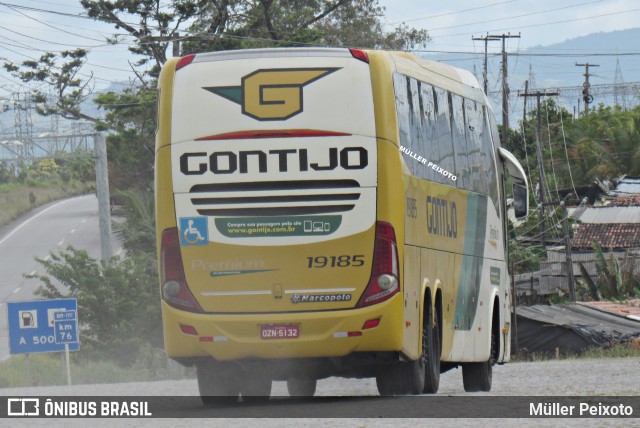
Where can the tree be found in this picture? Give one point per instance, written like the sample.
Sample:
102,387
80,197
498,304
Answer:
197,25
613,279
68,90
607,143
237,24
118,301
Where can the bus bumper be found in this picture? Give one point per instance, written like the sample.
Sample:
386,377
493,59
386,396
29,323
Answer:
322,334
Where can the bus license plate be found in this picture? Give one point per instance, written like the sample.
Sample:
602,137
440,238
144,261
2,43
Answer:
279,331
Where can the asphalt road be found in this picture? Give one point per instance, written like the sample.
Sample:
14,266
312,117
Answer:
47,229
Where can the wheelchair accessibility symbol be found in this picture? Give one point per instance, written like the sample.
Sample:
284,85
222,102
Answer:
194,231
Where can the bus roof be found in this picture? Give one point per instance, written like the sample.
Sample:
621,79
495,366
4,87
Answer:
456,80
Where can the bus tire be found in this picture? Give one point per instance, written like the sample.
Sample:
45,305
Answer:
301,387
477,377
431,342
217,385
255,388
401,378
421,375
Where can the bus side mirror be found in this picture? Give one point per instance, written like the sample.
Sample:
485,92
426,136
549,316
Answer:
519,180
520,201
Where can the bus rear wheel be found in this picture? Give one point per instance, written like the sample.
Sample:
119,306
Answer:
255,387
217,384
301,387
421,375
431,341
477,377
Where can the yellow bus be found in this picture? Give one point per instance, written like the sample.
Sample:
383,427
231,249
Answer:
330,212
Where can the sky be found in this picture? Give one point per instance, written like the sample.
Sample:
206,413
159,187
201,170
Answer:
453,23
28,28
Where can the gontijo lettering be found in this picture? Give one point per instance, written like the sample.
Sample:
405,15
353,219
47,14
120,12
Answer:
228,162
442,217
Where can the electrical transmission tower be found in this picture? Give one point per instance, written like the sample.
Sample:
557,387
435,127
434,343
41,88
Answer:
532,78
619,95
22,107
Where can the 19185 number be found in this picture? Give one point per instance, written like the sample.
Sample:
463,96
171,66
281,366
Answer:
335,261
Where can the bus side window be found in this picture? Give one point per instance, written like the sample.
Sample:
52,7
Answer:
489,161
430,129
443,130
403,113
417,134
460,141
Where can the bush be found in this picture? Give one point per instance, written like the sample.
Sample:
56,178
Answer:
118,303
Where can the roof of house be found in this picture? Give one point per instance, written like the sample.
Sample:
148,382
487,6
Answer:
625,201
572,328
629,309
608,214
609,235
628,185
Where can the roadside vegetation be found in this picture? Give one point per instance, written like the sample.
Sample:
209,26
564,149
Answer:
619,350
26,186
50,369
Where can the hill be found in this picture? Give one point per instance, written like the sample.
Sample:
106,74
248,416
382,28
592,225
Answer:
553,67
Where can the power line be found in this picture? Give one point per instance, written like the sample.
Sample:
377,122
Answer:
531,54
456,12
51,26
602,15
516,16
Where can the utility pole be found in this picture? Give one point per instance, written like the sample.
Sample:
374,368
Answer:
486,40
524,106
102,189
505,84
175,45
538,95
586,96
568,256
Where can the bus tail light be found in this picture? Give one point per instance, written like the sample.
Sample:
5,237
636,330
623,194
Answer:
184,61
174,284
359,54
384,282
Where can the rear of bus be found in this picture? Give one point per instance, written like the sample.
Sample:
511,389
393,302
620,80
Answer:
274,244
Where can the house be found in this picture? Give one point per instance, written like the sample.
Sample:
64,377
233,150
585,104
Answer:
614,224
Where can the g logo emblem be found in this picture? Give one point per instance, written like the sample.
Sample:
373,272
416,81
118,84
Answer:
272,94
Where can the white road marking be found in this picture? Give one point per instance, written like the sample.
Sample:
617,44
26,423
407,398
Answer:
72,231
84,220
61,242
46,259
24,223
16,290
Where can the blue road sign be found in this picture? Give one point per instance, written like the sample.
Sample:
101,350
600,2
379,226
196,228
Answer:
33,326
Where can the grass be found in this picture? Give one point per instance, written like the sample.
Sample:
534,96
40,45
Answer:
49,369
619,350
18,199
